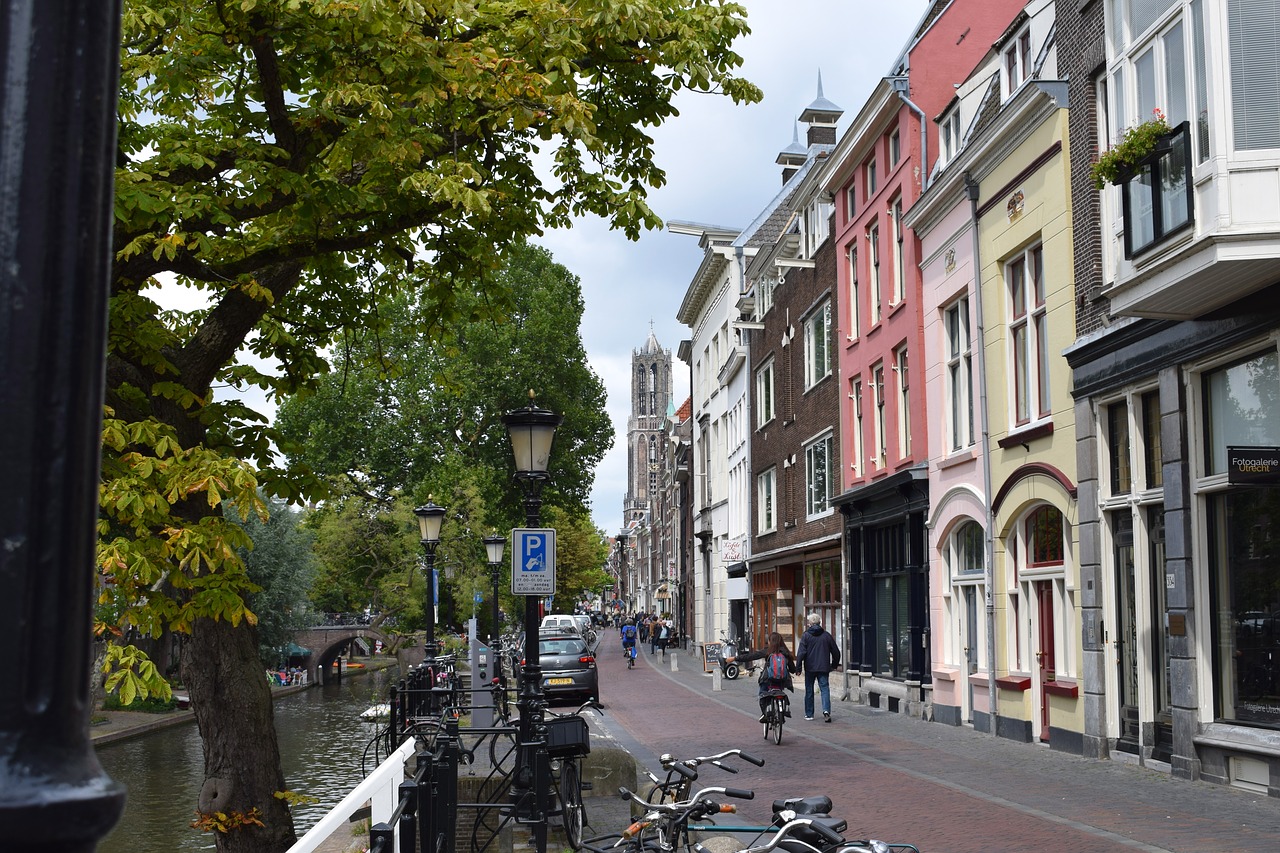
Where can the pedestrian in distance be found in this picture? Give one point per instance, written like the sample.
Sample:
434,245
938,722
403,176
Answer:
817,655
664,635
775,645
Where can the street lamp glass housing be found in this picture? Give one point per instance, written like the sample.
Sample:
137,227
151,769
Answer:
430,519
494,546
532,431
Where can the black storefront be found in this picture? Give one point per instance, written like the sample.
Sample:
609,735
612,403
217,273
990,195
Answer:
888,653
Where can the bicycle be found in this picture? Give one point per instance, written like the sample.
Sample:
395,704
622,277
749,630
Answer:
682,772
776,710
662,827
568,741
629,652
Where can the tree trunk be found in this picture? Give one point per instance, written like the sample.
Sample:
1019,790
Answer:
232,703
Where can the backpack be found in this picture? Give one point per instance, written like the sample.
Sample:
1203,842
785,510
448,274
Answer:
776,666
628,632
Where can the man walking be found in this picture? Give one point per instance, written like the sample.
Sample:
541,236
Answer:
817,655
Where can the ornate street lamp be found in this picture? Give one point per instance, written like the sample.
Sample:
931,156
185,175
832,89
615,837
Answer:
624,581
494,546
430,519
532,431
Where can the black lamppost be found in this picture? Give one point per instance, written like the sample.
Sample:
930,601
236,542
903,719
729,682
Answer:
430,518
494,546
532,430
624,581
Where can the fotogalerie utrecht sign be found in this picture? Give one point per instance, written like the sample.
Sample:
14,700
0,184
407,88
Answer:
1254,466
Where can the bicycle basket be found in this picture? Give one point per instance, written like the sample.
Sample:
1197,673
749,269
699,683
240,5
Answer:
568,736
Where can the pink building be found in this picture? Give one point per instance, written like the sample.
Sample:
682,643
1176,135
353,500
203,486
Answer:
879,168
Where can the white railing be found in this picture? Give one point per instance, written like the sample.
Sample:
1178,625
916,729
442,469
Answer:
381,789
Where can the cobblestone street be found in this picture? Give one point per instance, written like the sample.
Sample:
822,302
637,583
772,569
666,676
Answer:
902,780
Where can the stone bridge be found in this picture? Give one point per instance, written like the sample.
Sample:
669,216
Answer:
327,642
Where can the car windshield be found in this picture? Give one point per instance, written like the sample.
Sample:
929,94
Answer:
567,646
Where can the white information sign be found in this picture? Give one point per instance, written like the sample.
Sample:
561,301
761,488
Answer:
533,561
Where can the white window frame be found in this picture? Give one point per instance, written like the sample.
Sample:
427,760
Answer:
767,496
816,219
766,390
1029,391
899,270
959,577
1015,62
902,369
870,181
817,345
959,374
873,268
895,148
819,454
878,401
855,305
855,401
949,136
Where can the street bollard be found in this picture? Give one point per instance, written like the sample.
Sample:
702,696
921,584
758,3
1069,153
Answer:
674,667
717,679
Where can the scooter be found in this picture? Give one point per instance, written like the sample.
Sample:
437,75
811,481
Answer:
729,649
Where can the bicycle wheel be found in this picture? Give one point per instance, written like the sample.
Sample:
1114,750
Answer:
573,814
768,720
778,715
502,752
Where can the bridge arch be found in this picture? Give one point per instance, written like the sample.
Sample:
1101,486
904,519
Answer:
326,642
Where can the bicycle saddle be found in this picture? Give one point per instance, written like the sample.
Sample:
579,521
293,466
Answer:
806,806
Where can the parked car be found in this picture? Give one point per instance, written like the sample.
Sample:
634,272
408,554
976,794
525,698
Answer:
559,623
568,667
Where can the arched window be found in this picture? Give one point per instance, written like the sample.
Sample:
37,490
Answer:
1044,537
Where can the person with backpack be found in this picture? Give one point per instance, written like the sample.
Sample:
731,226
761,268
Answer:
779,665
628,634
817,655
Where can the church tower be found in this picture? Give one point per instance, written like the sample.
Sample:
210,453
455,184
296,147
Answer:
646,427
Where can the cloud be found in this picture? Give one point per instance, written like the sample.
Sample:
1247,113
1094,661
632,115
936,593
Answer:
719,160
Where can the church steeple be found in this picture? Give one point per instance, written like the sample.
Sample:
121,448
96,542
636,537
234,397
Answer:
650,402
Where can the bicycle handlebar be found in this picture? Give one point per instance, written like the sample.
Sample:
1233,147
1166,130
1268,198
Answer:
828,834
740,793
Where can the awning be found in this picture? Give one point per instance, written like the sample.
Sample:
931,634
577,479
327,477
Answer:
296,651
736,570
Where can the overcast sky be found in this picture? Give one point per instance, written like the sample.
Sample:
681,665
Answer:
719,160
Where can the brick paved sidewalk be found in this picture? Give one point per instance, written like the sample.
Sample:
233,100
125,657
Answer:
941,787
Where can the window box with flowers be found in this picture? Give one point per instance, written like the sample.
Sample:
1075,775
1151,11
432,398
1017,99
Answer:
1150,167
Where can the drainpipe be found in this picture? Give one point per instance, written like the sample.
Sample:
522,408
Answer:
988,544
902,86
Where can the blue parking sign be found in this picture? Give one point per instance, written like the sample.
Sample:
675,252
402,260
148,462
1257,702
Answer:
533,561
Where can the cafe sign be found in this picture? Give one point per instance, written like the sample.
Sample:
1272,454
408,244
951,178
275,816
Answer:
1254,466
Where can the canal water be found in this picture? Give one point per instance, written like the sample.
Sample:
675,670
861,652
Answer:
322,742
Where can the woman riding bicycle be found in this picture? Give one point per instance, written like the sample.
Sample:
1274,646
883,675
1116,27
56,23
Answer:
775,646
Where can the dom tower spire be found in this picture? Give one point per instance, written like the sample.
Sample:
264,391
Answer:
650,401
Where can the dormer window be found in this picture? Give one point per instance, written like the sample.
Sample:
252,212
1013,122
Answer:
1017,61
949,136
815,224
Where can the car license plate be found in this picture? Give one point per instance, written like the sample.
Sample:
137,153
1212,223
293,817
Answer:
551,682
